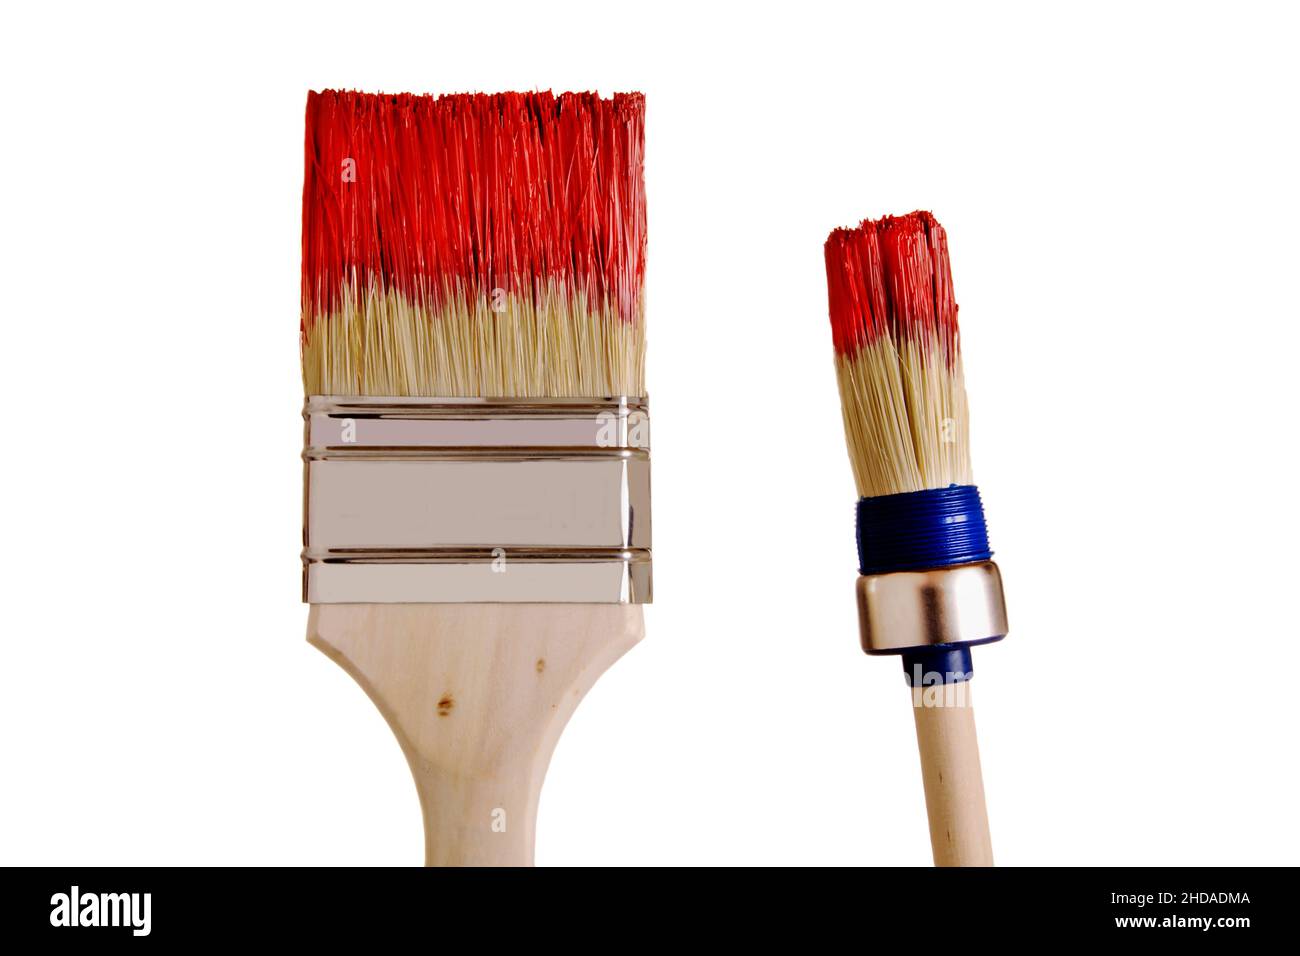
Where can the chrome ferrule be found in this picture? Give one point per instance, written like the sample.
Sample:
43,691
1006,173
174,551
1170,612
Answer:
476,500
961,604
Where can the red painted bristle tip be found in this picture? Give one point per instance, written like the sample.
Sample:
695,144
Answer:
890,277
477,192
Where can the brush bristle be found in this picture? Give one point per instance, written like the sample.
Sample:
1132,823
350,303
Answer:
898,355
474,245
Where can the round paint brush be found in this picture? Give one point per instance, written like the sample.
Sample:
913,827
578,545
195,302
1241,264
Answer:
927,591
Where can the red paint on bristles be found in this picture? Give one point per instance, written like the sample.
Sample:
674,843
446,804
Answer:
891,277
474,192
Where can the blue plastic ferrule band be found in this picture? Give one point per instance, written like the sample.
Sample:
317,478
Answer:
915,530
939,664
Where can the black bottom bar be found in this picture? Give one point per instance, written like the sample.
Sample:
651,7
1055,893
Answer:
473,909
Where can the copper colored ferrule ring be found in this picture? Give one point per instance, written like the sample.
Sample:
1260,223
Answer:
470,500
959,604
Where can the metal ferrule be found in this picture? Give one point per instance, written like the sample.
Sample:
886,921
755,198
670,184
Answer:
476,500
961,604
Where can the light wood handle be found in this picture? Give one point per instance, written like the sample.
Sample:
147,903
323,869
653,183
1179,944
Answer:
477,695
950,769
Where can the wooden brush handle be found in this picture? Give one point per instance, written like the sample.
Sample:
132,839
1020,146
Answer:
950,769
477,695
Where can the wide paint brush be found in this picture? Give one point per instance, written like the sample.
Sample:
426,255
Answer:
477,521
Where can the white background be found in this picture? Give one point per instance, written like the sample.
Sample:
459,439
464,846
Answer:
1118,183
